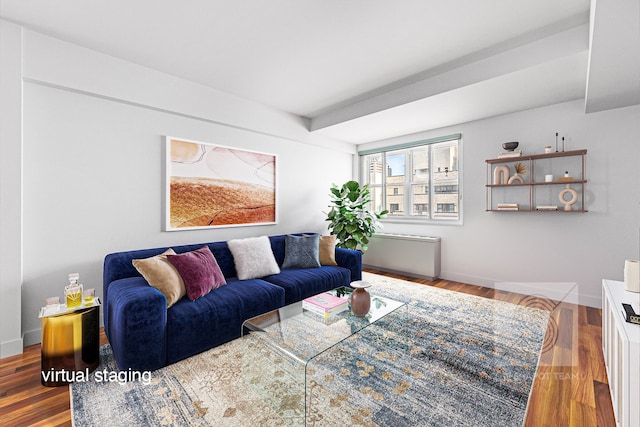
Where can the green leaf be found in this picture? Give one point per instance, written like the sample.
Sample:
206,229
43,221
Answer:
351,244
352,186
353,196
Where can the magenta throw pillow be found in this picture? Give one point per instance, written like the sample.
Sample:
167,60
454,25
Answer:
199,270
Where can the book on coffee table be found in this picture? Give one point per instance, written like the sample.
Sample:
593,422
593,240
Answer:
325,304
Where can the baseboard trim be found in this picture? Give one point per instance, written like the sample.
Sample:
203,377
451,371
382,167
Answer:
401,273
11,348
32,337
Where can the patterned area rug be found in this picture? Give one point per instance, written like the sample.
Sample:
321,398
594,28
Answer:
459,360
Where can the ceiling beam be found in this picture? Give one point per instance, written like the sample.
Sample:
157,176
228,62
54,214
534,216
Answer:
613,78
532,54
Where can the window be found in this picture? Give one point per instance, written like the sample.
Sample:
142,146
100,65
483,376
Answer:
446,207
446,189
418,180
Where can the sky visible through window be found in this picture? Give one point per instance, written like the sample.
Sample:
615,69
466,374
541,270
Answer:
395,164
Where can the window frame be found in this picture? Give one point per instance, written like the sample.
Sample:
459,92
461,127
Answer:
409,183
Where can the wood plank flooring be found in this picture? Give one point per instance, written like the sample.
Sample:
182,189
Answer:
570,387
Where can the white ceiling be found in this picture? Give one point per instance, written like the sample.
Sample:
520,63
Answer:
362,70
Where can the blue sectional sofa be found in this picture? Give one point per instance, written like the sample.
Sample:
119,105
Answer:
146,335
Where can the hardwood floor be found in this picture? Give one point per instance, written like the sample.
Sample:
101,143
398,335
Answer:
570,387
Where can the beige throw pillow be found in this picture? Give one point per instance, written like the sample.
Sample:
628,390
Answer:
328,250
162,275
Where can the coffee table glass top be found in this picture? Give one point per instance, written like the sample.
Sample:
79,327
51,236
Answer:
302,334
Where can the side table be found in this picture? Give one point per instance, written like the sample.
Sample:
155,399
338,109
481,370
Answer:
70,343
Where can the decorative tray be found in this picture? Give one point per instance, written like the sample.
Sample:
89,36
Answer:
60,309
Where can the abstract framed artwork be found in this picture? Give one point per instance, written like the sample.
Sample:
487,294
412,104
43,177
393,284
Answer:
210,185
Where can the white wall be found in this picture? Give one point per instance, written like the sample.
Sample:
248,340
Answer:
10,187
536,251
93,164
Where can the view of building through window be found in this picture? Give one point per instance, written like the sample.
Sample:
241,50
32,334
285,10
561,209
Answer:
420,181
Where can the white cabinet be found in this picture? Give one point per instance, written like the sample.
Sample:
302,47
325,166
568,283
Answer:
621,347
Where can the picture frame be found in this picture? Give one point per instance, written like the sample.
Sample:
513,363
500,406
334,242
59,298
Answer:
211,185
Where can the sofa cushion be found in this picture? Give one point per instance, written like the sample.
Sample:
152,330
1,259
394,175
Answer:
193,327
299,284
327,250
301,251
162,275
253,257
199,271
135,324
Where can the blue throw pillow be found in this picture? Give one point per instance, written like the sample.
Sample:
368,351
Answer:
301,251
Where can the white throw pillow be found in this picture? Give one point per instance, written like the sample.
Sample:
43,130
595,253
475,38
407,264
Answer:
253,257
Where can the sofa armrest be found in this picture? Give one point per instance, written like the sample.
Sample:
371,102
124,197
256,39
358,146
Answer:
352,260
135,316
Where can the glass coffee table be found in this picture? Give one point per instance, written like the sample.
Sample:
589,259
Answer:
282,343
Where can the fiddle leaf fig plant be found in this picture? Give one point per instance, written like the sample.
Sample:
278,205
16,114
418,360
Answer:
350,218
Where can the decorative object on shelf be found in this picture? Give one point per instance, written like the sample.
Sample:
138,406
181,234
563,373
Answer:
632,275
563,144
501,175
546,208
568,203
516,178
521,169
508,206
556,142
548,177
547,148
360,298
508,154
566,177
630,314
510,146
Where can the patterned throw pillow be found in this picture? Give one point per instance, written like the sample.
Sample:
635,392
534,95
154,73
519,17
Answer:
301,251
